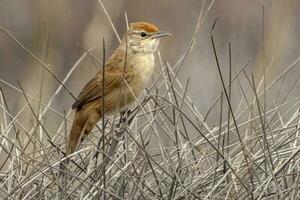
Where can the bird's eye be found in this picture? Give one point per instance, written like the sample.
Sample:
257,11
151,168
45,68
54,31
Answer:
143,34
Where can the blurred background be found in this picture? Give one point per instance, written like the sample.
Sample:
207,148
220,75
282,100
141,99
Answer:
57,31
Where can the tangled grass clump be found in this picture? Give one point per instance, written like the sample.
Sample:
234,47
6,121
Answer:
163,148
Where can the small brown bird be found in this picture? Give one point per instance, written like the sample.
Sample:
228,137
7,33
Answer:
125,76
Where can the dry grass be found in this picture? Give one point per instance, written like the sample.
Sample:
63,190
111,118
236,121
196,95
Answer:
164,148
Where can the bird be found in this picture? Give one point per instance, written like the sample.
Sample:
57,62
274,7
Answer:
117,85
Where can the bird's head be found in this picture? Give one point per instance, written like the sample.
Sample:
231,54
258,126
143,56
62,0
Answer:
143,37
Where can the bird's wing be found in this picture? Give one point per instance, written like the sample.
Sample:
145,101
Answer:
93,89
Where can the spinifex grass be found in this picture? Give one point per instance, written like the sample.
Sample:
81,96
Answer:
163,148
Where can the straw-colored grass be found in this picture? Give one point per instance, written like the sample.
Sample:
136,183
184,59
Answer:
164,148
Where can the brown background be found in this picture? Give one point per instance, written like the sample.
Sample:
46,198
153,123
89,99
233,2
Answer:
53,29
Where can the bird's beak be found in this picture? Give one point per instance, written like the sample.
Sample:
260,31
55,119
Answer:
161,34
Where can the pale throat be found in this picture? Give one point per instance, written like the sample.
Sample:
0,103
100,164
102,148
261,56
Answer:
152,46
143,64
145,46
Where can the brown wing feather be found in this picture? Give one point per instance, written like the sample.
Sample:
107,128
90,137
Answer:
93,89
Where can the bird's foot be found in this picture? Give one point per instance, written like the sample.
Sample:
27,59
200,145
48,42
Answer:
118,134
124,116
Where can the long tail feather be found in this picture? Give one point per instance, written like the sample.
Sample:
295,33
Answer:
83,124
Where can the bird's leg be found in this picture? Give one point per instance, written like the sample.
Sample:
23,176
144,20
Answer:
122,124
128,112
124,116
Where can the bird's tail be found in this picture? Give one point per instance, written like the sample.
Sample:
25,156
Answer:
83,124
